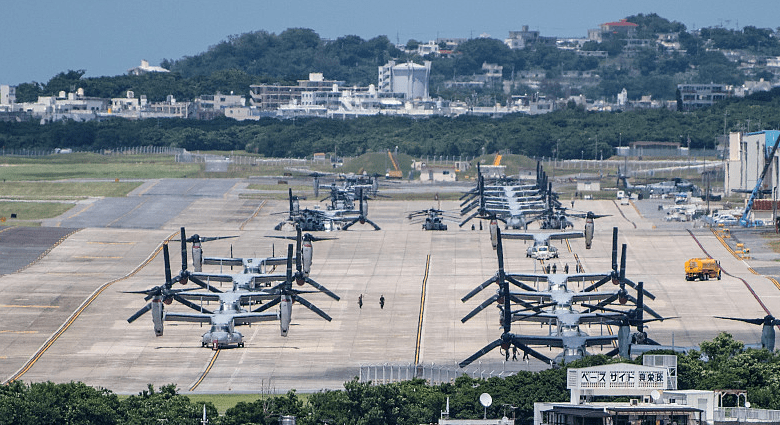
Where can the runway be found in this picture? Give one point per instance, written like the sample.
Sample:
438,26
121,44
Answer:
64,316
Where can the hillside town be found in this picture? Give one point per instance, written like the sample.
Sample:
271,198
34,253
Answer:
402,89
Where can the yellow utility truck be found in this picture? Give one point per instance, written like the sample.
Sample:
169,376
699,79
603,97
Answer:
702,268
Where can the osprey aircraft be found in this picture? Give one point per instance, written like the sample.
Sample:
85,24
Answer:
555,305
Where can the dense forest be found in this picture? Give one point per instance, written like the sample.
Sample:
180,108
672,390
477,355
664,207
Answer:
265,58
720,363
575,132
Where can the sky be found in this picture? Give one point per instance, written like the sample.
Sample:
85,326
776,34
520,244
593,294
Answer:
41,38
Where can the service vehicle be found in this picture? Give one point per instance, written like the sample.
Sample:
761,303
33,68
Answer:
542,252
702,269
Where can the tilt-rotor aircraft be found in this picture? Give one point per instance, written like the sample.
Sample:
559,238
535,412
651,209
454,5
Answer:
508,202
319,220
541,239
569,336
558,300
231,313
256,273
222,321
767,323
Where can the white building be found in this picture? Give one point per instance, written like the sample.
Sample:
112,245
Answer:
744,158
145,68
409,79
7,94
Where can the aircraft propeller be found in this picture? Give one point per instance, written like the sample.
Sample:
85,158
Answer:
767,333
164,294
507,338
362,213
286,291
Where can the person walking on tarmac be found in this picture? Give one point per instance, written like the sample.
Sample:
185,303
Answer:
360,301
382,301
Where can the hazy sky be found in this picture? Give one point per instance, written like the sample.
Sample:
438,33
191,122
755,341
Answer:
41,38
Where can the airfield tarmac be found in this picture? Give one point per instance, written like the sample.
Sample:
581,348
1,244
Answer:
64,316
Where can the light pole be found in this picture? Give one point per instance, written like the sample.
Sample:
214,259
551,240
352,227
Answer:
582,159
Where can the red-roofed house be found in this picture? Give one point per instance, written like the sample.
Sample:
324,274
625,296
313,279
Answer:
620,27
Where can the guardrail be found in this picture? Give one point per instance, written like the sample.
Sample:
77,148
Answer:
386,373
745,414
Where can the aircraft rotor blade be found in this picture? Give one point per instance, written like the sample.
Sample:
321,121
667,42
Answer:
367,220
267,305
348,225
322,289
479,308
481,352
740,319
479,288
203,284
519,284
183,250
139,313
191,305
312,307
597,284
530,351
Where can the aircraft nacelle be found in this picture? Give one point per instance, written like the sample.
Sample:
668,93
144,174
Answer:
588,232
306,256
157,316
197,257
624,342
768,337
285,314
494,233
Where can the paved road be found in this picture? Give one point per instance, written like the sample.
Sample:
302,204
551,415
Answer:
99,262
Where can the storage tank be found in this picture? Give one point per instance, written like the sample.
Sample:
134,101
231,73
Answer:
411,79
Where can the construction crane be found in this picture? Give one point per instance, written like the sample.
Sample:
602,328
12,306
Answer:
745,221
497,161
396,172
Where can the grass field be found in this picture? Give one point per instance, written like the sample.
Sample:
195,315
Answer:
26,211
45,190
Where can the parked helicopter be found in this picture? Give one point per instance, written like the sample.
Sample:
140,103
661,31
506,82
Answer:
431,219
319,220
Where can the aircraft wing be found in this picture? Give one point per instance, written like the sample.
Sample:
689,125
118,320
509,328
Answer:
565,235
208,296
218,277
223,261
274,261
635,349
527,295
247,318
521,236
599,317
544,277
549,340
172,316
600,340
534,317
591,296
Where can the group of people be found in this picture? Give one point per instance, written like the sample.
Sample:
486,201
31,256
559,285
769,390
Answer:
381,301
554,268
